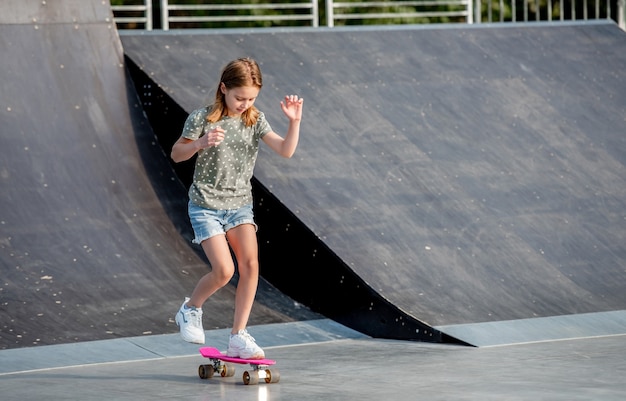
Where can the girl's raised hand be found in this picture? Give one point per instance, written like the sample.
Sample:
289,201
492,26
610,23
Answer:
292,107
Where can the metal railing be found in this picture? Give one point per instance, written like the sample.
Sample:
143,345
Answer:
128,16
546,10
175,14
274,13
398,10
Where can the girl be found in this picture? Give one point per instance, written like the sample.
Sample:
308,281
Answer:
226,138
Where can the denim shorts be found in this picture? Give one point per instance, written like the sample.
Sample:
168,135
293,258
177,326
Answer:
208,223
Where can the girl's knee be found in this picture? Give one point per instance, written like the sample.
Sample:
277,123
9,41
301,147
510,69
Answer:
223,275
250,267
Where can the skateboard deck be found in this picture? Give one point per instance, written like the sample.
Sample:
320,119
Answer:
220,363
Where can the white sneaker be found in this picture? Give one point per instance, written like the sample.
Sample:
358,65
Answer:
190,322
242,345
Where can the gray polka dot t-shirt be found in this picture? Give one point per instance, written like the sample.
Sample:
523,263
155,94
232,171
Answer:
221,179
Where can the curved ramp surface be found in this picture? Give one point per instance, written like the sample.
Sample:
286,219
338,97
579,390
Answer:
94,238
465,174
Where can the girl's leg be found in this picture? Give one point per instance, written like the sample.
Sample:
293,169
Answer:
222,270
243,241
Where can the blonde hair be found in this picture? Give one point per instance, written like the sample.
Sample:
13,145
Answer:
238,73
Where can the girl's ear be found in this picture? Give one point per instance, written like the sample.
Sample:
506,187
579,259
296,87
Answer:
223,88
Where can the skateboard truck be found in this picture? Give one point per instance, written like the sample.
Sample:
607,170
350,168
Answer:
221,364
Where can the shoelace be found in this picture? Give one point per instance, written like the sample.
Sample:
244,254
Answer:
195,318
247,336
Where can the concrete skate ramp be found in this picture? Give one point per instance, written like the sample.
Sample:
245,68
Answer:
463,175
94,238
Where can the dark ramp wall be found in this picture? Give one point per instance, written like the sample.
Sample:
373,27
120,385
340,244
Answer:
463,174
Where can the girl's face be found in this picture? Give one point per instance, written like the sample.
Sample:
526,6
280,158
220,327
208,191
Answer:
239,99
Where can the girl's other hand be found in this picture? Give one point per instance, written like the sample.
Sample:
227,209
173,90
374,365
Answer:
212,138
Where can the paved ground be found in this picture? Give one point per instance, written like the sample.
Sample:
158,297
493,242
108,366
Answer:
321,360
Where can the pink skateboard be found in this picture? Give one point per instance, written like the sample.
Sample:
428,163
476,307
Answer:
220,364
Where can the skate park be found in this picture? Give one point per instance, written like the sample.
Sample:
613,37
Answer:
451,226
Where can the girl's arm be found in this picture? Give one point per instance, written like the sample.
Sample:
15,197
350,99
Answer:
185,148
292,107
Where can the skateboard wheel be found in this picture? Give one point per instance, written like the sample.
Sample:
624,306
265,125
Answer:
272,376
228,371
251,377
205,371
